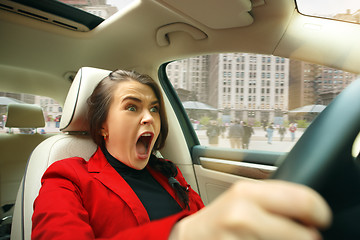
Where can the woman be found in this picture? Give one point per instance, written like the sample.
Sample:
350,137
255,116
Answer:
125,192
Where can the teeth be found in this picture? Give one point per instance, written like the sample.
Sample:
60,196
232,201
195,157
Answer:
146,135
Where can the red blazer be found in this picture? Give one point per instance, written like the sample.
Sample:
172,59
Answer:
90,200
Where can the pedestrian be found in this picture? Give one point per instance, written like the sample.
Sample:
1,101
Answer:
222,128
235,134
269,132
57,121
213,132
282,131
3,121
264,124
292,129
248,132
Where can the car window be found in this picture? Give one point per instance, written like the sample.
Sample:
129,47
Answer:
253,101
51,109
346,10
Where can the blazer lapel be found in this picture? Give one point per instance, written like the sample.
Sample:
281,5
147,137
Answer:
107,175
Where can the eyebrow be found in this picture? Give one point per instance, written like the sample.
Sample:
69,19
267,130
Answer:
138,100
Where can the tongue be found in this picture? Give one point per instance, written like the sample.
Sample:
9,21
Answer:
140,147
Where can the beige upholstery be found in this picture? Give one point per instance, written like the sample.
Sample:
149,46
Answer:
73,142
24,116
13,161
75,108
16,149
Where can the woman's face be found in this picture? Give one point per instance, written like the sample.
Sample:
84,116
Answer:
133,124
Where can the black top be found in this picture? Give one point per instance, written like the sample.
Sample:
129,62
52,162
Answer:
156,200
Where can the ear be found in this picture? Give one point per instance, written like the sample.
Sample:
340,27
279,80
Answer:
104,130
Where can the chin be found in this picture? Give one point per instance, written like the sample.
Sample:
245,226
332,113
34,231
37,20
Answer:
140,164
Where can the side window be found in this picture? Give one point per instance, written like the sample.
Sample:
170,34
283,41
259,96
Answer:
51,109
253,101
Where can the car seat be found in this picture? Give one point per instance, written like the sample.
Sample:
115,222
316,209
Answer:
74,141
13,161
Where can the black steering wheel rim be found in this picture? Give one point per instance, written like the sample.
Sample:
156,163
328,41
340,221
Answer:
322,159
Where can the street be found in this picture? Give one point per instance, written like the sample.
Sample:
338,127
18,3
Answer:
258,140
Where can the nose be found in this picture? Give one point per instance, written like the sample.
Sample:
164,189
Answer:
147,118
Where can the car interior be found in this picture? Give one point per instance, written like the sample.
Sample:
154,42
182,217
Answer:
14,160
50,48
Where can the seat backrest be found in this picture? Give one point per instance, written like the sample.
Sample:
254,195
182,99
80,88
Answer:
12,160
24,116
16,149
73,142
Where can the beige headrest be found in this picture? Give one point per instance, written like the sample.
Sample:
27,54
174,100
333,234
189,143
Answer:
74,118
21,115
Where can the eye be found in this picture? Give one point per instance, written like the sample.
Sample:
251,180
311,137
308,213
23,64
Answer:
154,109
131,108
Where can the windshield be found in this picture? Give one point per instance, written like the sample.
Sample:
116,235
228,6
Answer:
100,8
344,10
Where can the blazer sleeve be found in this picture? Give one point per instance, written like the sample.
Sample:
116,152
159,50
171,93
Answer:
59,212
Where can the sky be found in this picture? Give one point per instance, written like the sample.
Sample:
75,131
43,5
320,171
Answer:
320,7
327,7
119,3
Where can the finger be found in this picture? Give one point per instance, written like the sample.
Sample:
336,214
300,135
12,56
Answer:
253,222
289,199
248,221
277,227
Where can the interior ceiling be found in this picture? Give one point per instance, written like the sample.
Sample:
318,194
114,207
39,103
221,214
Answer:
106,46
129,39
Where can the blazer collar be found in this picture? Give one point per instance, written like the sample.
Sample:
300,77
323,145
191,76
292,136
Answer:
107,175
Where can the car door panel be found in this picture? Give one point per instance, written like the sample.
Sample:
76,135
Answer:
216,169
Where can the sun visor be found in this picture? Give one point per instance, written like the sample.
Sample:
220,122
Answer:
233,13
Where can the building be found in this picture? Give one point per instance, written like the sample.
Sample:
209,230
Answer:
248,87
252,87
190,76
348,16
96,7
318,84
51,108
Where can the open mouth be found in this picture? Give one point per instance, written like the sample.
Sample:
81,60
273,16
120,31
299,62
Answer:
143,144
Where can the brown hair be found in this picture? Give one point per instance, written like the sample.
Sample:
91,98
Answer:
101,98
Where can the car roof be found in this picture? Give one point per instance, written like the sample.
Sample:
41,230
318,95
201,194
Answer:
146,34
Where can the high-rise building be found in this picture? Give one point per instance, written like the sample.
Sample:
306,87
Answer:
318,84
190,78
249,87
252,87
96,7
348,16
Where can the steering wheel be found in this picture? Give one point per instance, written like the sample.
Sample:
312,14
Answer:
322,159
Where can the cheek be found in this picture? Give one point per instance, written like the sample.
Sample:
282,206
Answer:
120,127
123,128
157,126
